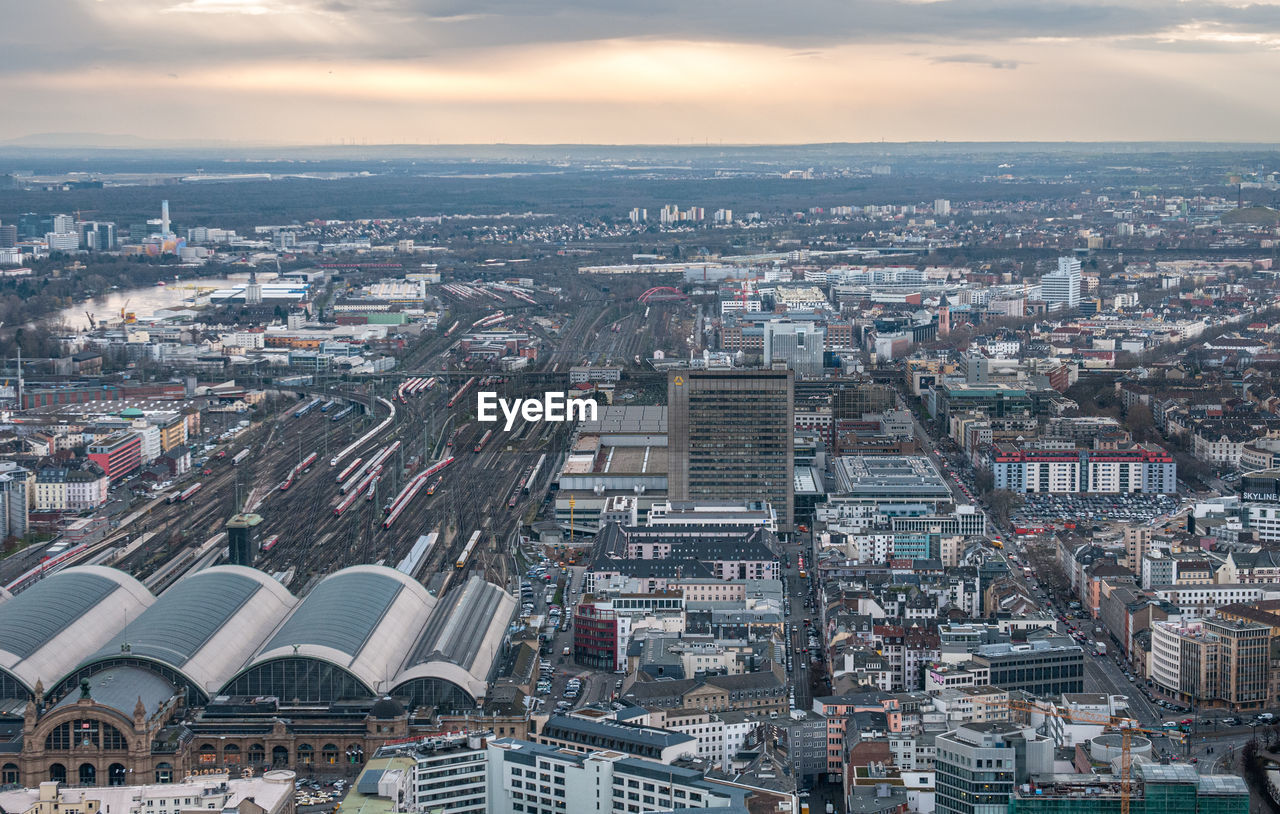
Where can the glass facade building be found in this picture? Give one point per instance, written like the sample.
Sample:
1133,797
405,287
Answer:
730,437
1157,789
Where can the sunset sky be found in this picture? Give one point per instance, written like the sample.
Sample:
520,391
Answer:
665,72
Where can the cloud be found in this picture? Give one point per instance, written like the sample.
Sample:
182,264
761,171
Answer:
213,31
682,68
977,59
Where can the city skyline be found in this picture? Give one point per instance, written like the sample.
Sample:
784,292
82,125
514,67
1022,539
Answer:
394,71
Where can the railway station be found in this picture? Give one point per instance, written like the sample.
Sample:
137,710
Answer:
101,681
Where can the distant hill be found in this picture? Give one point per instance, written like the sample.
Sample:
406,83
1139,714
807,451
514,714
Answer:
104,141
1255,215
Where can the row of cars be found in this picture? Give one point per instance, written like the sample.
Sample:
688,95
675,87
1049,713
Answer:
1127,508
313,793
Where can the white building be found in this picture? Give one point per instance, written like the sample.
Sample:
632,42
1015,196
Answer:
528,778
62,241
713,514
150,435
250,340
272,793
1062,287
798,345
451,773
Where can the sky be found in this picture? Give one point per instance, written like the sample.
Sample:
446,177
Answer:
641,72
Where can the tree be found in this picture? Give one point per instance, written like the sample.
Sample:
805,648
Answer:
1003,502
1141,422
983,480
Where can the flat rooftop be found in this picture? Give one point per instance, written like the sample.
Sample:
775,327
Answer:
602,459
874,476
627,419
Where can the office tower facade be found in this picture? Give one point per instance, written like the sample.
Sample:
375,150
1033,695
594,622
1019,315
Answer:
1062,287
730,437
97,236
798,345
33,225
62,241
978,765
8,236
942,207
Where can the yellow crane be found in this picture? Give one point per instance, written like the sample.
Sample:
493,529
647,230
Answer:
1126,726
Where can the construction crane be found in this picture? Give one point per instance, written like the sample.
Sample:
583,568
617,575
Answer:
1126,726
93,324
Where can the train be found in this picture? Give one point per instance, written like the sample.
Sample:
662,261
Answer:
343,413
303,466
412,387
522,486
47,565
365,483
397,506
350,468
431,490
185,494
270,543
306,408
374,463
467,385
484,439
328,405
364,439
240,456
530,481
468,549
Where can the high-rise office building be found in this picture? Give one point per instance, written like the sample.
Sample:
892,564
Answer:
942,207
32,225
97,236
8,236
798,345
730,437
978,765
1062,287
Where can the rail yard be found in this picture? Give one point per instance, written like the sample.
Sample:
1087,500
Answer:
361,470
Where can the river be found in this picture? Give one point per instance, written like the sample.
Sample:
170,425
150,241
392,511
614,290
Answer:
144,300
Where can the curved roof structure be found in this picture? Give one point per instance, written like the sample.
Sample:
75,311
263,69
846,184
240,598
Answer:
49,628
362,619
461,642
206,627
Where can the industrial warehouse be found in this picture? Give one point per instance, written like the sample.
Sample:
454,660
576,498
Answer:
103,683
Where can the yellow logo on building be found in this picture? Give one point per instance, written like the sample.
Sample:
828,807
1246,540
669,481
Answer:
679,381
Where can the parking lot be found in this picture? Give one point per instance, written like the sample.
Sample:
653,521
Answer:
1039,510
